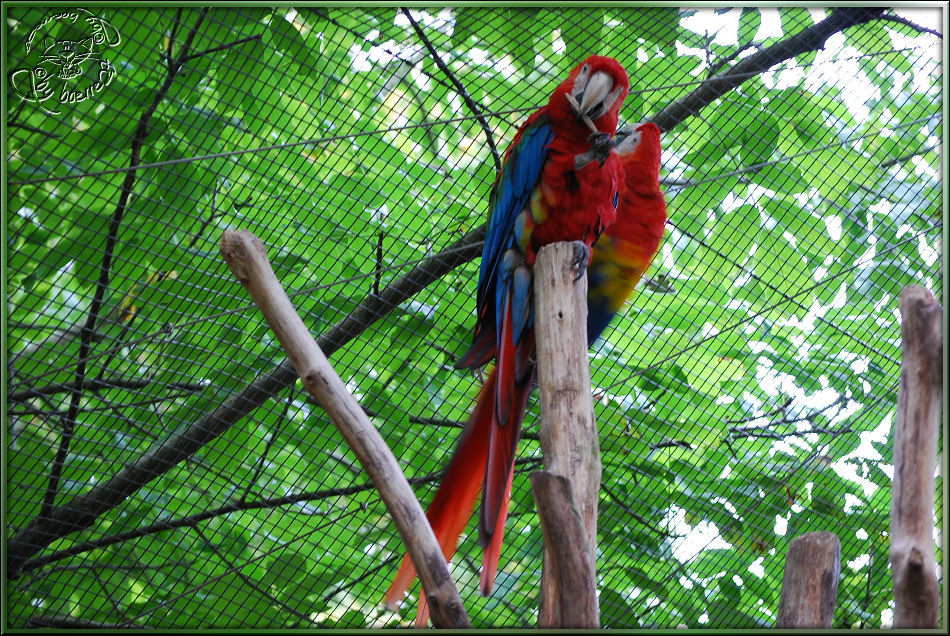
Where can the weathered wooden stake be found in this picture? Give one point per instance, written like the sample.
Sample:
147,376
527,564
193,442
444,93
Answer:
247,257
568,432
572,568
913,565
810,582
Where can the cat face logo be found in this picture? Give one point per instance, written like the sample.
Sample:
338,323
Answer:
68,65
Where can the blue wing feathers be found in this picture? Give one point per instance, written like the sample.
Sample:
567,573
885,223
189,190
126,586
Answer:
518,179
496,278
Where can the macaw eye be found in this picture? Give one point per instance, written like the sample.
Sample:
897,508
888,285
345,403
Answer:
581,82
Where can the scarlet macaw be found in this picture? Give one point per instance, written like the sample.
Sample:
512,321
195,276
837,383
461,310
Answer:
627,247
559,182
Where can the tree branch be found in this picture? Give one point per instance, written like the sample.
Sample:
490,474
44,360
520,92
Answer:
222,47
32,129
70,623
897,160
811,39
721,62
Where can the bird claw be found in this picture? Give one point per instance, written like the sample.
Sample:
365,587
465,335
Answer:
581,258
600,144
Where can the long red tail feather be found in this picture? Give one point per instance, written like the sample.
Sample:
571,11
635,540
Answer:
452,506
499,471
492,552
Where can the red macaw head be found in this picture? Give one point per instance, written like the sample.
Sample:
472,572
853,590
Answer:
638,141
638,146
598,85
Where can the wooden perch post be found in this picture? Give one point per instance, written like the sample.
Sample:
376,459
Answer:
247,257
572,568
568,437
913,566
810,582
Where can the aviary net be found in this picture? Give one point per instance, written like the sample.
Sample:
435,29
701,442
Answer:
166,470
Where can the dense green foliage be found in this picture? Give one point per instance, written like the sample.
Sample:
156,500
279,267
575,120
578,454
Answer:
745,397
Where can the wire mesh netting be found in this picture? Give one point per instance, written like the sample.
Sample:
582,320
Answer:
165,469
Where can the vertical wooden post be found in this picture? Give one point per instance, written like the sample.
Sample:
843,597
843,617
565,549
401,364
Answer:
568,433
810,582
565,561
913,567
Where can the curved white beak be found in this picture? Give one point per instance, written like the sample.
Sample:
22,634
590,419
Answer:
598,88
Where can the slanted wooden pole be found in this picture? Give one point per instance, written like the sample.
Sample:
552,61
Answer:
913,566
247,257
568,433
810,582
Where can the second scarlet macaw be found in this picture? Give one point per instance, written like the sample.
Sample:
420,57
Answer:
559,182
628,246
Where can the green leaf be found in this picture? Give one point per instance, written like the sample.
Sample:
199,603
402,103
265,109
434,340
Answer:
808,230
615,610
467,22
759,138
712,562
282,35
749,22
781,177
735,233
238,77
794,19
580,30
659,25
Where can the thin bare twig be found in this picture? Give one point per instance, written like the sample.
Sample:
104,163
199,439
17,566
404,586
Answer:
270,442
99,385
222,47
757,431
105,270
378,271
439,422
902,159
115,567
211,217
33,129
779,409
459,87
248,581
899,20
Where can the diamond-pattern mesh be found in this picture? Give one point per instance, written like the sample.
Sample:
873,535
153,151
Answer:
744,396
